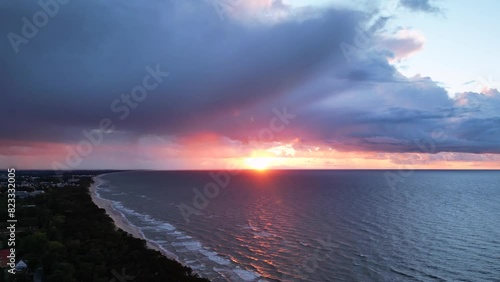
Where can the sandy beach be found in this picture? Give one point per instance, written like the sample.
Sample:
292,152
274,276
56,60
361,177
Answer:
119,219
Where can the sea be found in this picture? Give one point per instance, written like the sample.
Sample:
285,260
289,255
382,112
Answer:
317,225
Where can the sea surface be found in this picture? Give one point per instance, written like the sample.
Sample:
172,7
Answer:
318,225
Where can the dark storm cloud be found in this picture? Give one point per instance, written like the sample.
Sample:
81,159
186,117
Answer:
90,53
225,77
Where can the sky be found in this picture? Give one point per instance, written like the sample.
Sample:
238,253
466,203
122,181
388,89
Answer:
254,84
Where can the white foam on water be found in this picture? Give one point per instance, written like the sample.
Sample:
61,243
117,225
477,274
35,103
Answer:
164,250
99,186
118,205
184,237
246,275
182,242
197,266
238,274
213,256
262,234
190,245
166,226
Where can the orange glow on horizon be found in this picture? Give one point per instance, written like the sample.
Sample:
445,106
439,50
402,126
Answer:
216,153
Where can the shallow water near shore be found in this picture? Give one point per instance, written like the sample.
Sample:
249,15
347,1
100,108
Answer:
317,225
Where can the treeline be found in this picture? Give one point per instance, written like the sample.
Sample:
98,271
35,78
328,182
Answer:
74,240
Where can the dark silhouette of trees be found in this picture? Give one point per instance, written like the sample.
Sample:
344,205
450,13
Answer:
74,240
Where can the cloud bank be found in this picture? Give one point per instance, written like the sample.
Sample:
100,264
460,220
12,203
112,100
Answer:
228,67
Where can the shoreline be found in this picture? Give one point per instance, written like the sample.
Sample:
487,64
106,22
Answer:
120,221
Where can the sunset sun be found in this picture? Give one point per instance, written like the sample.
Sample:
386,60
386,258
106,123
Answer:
258,163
